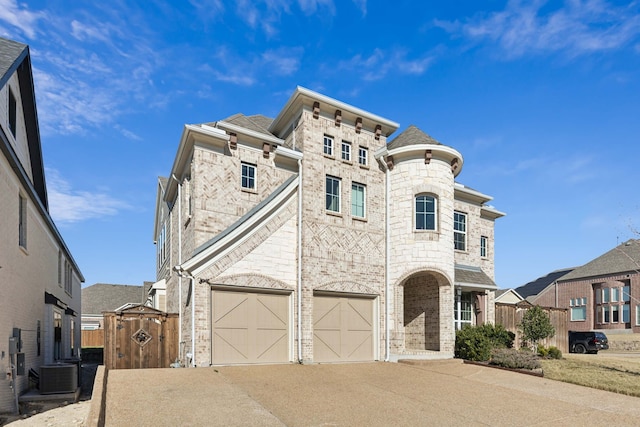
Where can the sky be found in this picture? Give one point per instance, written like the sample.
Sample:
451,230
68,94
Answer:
542,98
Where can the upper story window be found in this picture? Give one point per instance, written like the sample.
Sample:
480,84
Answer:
60,268
483,246
328,146
248,176
162,246
578,309
346,151
426,212
358,197
22,222
68,276
332,194
13,113
460,231
363,154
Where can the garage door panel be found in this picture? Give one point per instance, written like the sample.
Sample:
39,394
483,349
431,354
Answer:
230,309
249,327
343,329
230,344
272,311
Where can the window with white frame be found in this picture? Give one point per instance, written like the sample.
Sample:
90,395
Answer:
358,197
68,278
638,315
332,201
328,146
463,309
626,314
460,231
248,176
426,212
612,303
22,221
578,309
346,151
363,154
483,246
13,113
60,268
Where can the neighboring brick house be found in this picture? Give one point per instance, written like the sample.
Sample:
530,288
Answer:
102,297
40,303
603,294
308,238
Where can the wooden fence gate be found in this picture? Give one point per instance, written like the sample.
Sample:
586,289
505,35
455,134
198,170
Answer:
140,337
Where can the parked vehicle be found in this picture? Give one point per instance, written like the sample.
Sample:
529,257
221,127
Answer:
587,342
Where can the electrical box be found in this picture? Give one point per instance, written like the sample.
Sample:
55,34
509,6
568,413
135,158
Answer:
20,365
13,345
17,333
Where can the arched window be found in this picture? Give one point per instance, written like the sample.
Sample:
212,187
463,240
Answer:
426,212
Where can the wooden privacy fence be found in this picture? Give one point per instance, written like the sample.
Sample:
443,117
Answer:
510,316
140,337
93,338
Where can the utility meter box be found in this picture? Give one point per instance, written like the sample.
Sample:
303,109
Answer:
13,345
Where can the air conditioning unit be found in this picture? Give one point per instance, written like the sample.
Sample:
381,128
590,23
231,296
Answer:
61,378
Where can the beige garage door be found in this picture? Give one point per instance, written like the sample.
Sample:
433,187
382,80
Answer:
342,329
249,327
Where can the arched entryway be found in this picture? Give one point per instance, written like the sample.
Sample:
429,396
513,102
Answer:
424,315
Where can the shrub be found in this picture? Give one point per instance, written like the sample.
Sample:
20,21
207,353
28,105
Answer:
476,342
472,344
542,351
555,353
514,359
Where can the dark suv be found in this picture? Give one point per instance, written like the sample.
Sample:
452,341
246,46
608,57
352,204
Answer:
587,342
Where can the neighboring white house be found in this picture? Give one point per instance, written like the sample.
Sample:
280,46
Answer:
40,304
309,238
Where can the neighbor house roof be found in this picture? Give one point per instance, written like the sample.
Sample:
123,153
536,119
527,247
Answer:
411,136
109,297
536,286
621,259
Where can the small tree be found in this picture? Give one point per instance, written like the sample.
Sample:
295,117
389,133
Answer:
536,326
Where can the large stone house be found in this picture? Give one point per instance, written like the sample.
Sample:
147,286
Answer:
603,294
40,304
311,238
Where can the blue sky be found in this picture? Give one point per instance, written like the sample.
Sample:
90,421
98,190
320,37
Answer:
541,98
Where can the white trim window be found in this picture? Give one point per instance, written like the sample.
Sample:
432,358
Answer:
332,200
484,241
459,231
358,197
638,315
346,151
426,212
327,147
578,309
248,176
363,156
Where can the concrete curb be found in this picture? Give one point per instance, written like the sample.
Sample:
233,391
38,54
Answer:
98,398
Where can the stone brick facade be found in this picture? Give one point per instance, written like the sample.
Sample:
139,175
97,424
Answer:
281,236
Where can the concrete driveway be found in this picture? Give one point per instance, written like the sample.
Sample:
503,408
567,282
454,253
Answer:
374,394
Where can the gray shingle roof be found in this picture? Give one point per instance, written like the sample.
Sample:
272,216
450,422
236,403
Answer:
472,275
107,297
411,136
10,52
621,259
536,286
257,123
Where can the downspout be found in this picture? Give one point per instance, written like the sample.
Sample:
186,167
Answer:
387,329
299,292
184,273
179,263
379,155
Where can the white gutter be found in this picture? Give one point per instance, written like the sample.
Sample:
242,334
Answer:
193,320
379,155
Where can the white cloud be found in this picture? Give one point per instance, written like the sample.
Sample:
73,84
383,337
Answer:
380,63
283,61
20,17
67,205
578,27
